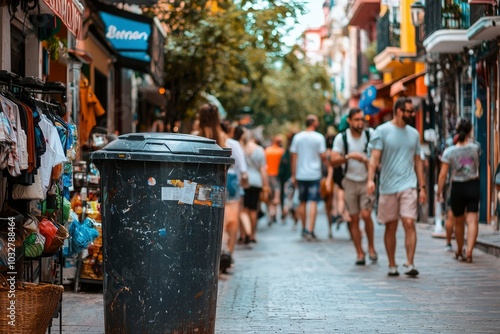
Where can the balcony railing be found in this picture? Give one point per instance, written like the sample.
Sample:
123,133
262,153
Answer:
388,33
454,15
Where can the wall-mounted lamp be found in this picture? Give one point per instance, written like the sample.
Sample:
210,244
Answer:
417,13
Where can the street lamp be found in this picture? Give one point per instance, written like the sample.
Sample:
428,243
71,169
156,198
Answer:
417,13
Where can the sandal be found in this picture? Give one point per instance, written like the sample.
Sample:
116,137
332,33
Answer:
361,261
459,256
468,258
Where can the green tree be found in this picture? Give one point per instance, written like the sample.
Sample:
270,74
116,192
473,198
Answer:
236,52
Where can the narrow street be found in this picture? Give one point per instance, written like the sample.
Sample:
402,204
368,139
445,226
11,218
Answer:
284,284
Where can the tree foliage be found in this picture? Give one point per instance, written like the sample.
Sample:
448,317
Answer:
235,51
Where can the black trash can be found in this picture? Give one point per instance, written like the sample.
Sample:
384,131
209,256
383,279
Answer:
162,206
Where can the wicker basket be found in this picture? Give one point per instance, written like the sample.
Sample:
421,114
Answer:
35,304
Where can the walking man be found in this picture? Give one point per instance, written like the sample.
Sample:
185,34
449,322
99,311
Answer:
308,150
395,145
350,148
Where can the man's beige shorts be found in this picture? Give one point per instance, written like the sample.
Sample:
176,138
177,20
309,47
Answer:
356,197
391,207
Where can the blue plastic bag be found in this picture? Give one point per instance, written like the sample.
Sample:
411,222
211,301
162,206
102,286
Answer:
82,234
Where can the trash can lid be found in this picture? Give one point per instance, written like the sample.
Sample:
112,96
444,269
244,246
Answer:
168,147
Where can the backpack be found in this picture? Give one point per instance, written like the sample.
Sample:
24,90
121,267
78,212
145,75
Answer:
339,171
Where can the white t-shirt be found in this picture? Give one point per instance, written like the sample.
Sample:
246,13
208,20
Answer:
54,153
240,165
356,170
308,145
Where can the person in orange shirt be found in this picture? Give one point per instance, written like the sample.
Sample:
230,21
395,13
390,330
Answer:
274,152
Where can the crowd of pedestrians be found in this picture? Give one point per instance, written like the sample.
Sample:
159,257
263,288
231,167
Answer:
353,171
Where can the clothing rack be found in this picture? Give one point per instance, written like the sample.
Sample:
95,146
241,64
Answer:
32,85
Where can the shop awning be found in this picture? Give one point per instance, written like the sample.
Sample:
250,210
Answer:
137,40
400,85
384,89
70,12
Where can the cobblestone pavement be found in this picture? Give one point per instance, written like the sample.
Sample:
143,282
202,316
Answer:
284,284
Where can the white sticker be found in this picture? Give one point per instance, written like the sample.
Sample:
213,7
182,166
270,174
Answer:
170,193
188,192
204,193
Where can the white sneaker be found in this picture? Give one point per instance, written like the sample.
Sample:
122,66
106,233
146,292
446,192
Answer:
449,248
411,270
393,271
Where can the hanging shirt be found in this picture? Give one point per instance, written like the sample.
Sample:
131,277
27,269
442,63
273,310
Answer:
12,113
90,108
54,153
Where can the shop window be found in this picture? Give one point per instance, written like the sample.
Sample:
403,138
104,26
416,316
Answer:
17,51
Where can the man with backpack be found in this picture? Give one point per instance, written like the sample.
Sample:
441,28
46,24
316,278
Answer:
350,149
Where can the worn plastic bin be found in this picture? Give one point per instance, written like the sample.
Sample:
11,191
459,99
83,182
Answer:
162,206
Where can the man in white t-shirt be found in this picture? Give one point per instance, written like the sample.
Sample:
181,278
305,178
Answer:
357,201
308,150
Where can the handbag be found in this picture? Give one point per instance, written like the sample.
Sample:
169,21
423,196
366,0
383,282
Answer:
32,192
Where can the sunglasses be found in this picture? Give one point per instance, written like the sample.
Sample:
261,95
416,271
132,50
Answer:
411,111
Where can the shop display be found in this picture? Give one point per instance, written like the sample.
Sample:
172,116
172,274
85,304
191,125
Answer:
35,141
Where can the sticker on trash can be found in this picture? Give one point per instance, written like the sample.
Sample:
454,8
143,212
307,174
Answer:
170,193
188,192
210,195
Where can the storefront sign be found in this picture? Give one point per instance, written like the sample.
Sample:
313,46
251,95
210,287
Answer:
130,38
137,39
70,12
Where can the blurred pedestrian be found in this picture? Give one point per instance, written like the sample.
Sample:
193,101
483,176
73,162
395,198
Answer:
463,161
235,174
395,145
274,152
257,177
210,127
357,201
327,186
308,153
449,224
286,185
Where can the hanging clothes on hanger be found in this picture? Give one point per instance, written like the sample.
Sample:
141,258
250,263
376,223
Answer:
90,108
17,157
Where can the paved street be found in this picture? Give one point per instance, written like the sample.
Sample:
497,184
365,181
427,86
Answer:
284,284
